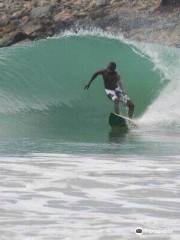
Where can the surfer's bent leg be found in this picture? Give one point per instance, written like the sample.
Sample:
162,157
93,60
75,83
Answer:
116,106
112,95
128,103
130,106
116,100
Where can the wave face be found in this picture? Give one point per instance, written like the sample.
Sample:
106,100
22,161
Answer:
41,85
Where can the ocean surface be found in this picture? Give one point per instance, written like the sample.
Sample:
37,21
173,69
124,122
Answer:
64,174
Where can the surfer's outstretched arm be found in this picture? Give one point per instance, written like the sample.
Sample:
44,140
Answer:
93,77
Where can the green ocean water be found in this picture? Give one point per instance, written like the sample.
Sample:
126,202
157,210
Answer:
64,173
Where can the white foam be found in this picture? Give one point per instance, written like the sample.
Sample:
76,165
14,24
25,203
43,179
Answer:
165,109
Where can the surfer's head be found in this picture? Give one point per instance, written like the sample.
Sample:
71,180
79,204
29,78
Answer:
112,66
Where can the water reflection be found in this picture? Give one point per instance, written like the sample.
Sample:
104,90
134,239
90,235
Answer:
118,135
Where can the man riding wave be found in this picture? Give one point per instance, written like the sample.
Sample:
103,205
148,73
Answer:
114,88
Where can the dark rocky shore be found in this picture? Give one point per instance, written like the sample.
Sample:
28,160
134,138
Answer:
135,19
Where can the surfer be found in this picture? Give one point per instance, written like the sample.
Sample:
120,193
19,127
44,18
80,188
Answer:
114,88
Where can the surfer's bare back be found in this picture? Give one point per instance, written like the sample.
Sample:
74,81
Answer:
114,88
